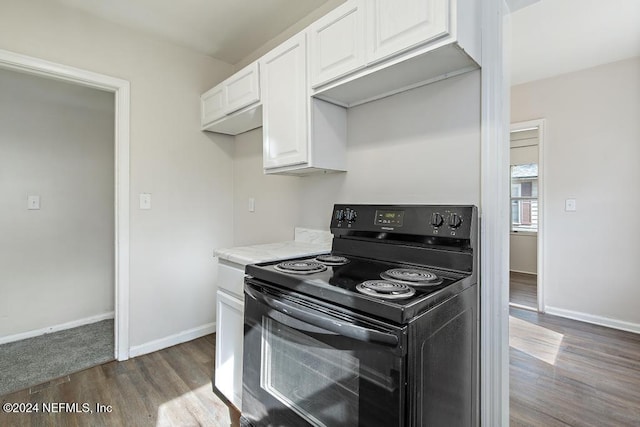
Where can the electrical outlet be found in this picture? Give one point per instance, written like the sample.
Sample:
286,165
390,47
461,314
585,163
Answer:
570,205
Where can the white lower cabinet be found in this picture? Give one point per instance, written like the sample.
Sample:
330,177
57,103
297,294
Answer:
229,339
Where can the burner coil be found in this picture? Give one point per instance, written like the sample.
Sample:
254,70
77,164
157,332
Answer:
332,260
300,267
412,276
385,289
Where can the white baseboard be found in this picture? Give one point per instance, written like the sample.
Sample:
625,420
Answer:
172,340
596,320
56,328
533,273
523,307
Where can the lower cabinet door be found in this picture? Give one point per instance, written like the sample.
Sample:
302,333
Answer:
229,336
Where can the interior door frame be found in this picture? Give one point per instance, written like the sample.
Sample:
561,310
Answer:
494,215
121,90
540,125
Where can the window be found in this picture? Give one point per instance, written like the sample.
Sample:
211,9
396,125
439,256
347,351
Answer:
524,197
318,382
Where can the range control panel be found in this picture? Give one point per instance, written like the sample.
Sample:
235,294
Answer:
389,217
453,221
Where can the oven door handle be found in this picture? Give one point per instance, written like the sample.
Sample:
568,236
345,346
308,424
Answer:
328,323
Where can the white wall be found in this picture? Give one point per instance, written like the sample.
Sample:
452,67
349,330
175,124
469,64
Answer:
523,253
420,146
592,154
276,196
56,263
188,172
294,29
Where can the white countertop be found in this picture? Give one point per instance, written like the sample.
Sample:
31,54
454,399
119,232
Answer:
307,242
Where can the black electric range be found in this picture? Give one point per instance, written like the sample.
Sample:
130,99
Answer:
381,331
432,248
397,300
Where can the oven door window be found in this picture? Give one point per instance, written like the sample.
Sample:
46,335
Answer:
318,382
309,364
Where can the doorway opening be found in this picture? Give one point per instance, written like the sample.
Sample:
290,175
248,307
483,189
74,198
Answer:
120,89
526,243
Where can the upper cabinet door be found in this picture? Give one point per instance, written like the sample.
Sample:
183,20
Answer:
398,25
285,104
229,106
242,88
336,43
212,105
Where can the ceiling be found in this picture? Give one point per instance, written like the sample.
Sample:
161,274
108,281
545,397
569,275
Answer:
228,30
552,37
549,37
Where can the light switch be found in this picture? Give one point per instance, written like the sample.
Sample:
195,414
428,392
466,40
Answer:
570,205
33,202
252,204
145,200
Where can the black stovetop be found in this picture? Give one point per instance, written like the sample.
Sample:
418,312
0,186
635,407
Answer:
337,285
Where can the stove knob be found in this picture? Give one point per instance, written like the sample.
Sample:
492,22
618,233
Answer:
454,220
339,215
437,219
351,215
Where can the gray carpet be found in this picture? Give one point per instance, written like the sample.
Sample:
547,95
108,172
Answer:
40,359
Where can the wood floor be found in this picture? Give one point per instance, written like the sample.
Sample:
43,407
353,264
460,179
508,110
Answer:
171,387
569,373
563,373
523,289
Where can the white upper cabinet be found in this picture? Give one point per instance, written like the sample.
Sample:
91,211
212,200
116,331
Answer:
398,25
285,96
407,43
337,43
230,107
212,105
242,89
359,52
301,135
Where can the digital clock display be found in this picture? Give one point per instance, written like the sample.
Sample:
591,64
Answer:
389,218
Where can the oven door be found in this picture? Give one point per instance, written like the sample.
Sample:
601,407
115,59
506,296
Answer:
306,363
